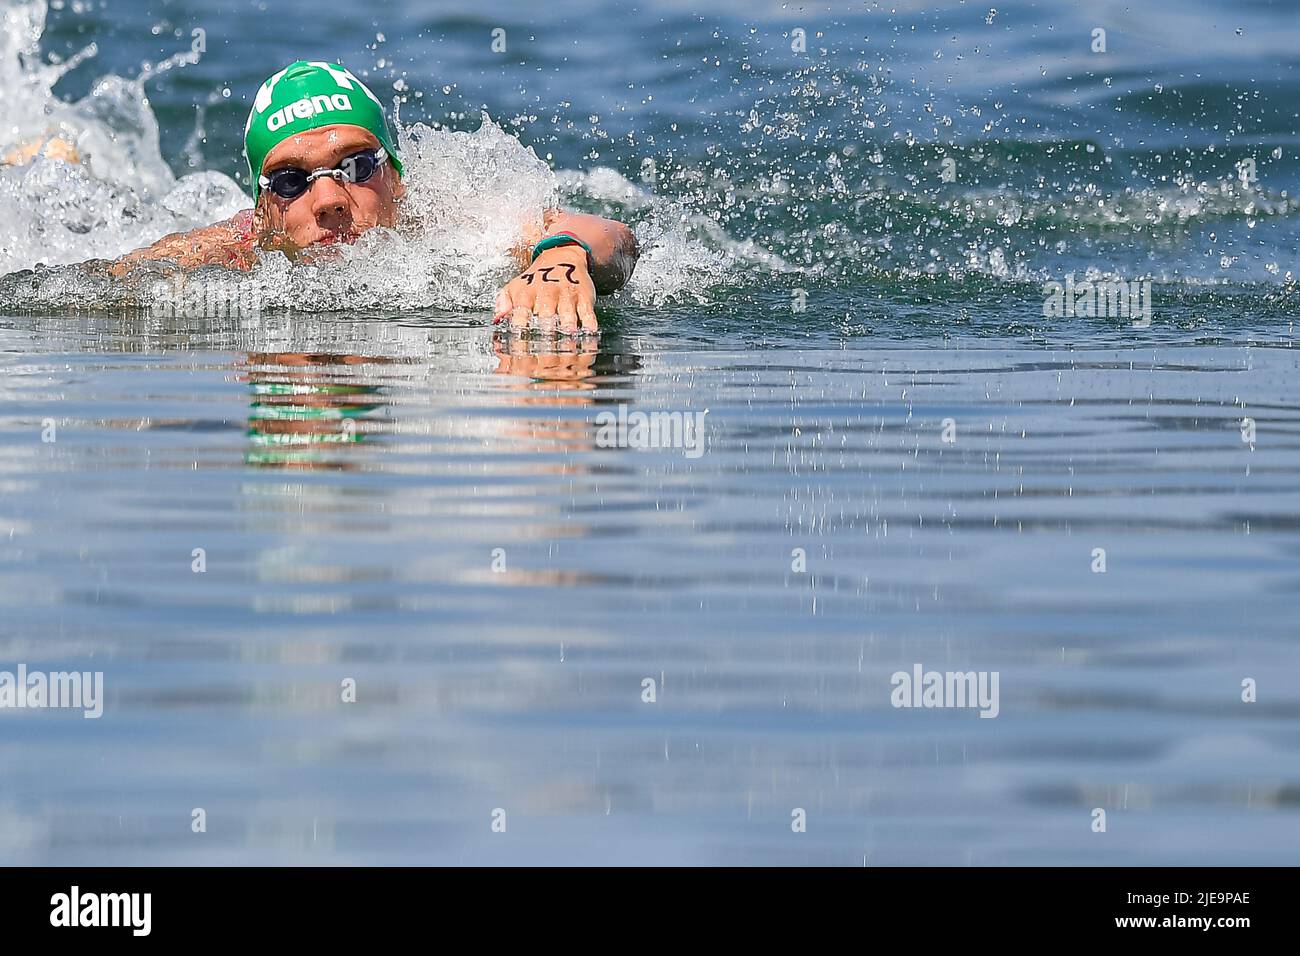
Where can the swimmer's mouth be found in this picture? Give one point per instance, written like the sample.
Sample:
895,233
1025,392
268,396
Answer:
334,238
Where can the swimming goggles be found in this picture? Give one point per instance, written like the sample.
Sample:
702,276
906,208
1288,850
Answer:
290,182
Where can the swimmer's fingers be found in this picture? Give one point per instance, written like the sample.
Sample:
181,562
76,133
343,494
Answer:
504,305
521,304
517,295
585,299
568,315
545,307
587,314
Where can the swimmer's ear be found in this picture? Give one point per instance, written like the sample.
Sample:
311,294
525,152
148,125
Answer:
399,187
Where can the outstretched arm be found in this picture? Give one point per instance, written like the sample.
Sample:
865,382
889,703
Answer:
561,286
228,243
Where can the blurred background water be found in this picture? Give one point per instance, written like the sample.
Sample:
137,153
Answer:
350,473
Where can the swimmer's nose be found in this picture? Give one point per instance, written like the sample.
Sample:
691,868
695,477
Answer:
330,203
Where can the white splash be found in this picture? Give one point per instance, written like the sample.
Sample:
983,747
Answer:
121,194
470,196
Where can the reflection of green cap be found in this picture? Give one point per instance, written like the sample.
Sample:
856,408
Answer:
308,95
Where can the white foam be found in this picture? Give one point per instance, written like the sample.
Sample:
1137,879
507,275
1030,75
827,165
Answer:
470,195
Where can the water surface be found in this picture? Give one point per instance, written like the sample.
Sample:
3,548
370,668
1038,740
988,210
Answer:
396,495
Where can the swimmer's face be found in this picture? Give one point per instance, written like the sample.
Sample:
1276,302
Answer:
330,210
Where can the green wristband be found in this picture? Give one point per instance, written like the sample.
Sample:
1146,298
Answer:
557,240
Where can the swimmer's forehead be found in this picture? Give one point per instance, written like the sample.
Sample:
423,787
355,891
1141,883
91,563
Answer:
320,147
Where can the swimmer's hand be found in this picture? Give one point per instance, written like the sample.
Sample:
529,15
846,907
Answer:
557,289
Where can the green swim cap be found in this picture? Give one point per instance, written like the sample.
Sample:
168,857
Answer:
308,95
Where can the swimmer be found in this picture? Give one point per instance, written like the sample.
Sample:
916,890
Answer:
324,169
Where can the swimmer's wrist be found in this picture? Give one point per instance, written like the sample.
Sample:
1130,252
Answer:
559,240
571,254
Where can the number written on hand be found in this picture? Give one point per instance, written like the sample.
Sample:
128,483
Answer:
568,268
